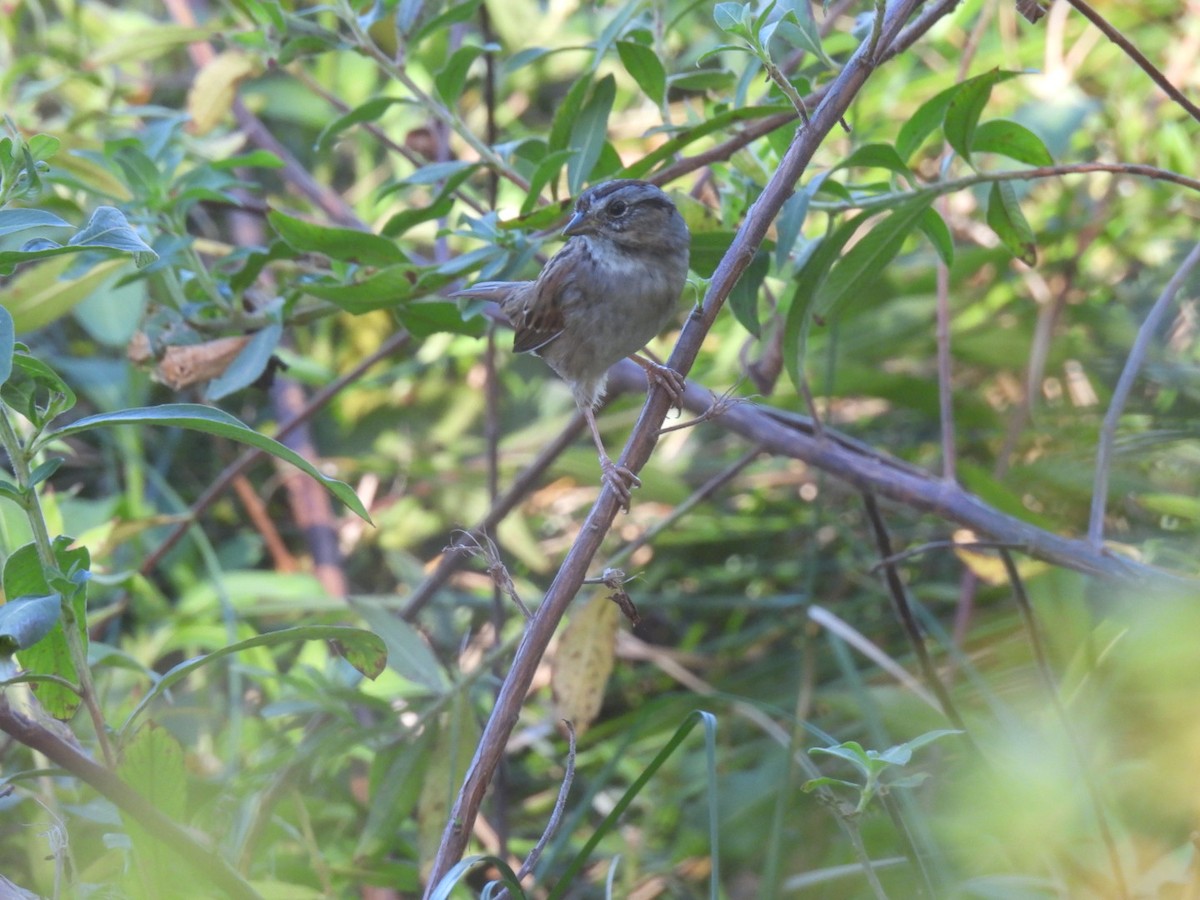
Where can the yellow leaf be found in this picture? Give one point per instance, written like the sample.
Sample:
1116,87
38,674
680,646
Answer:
212,93
584,660
38,294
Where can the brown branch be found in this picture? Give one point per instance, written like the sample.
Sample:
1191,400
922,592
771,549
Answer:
750,133
1114,35
209,865
641,443
453,557
866,469
1121,393
904,612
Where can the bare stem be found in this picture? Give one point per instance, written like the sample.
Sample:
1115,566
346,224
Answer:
1137,354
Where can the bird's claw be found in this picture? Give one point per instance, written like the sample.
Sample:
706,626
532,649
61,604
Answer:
669,380
621,480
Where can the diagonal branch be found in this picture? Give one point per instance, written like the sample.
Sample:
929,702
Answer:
1121,393
866,469
641,443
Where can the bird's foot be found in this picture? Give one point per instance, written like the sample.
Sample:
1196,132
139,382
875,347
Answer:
620,479
666,378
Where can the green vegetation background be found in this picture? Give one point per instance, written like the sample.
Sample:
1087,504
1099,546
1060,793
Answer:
294,189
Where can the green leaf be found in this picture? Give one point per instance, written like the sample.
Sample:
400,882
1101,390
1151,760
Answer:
450,79
934,227
365,112
44,471
703,80
249,365
966,105
210,421
153,762
452,16
384,289
14,220
438,316
346,244
440,207
563,124
8,343
876,156
24,575
546,171
728,17
743,299
866,260
1013,140
26,620
109,228
917,127
644,65
36,390
813,783
407,653
799,29
362,649
590,133
1004,217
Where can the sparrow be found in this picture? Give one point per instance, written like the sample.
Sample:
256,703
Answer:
611,288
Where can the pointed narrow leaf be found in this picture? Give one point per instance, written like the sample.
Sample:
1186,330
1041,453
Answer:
646,68
934,227
877,156
14,220
1004,217
348,244
210,421
866,260
249,365
962,115
1012,140
923,122
450,80
590,133
365,112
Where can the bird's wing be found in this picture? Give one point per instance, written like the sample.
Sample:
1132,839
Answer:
536,311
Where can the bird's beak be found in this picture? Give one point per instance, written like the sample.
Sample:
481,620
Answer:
577,225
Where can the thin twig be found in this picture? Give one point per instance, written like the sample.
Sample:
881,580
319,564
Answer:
865,468
701,494
1114,35
907,618
943,545
1121,393
560,804
453,557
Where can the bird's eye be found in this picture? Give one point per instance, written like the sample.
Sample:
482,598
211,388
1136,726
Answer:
617,208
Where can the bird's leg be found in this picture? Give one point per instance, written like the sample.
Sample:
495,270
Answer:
664,376
619,478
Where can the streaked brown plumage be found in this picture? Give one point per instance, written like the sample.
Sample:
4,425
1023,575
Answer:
612,287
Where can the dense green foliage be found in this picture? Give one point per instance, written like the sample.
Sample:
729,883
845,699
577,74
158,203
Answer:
206,224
